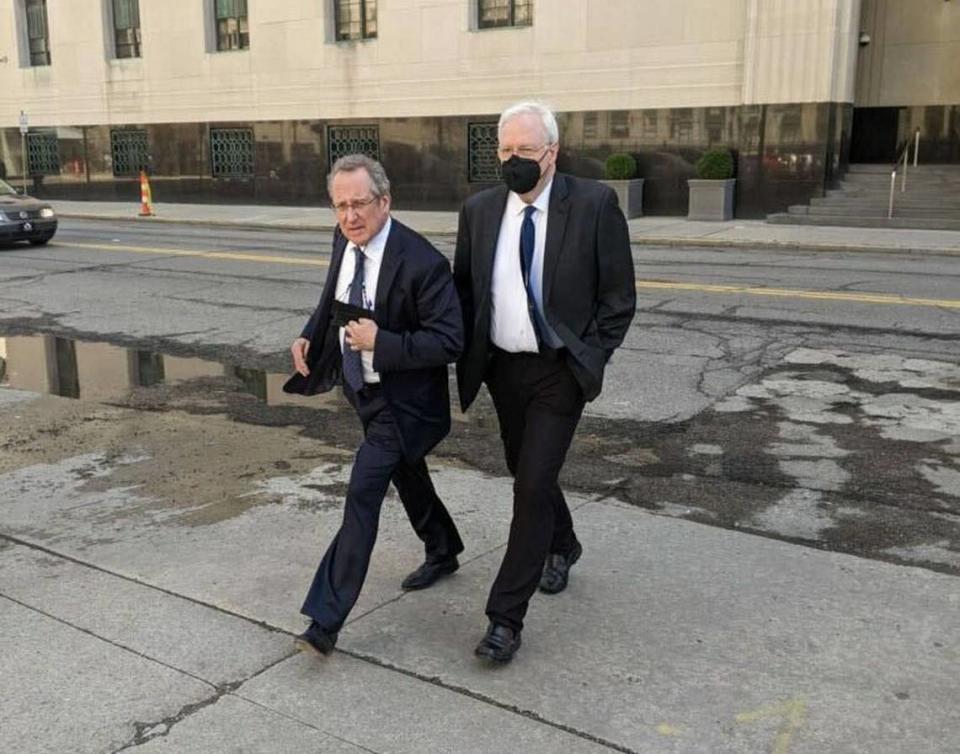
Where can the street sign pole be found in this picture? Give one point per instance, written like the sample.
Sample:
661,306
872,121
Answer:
24,127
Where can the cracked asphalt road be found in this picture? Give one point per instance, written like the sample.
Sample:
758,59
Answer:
141,392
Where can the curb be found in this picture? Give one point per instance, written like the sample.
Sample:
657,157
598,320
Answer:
638,239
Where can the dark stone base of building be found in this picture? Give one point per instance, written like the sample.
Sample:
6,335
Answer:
785,154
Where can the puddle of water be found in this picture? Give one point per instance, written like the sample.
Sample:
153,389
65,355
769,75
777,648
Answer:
97,371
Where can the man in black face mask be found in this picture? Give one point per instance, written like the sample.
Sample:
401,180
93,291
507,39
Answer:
546,281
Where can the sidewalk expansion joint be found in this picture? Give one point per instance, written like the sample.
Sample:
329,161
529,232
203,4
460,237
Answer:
483,698
138,582
146,730
105,640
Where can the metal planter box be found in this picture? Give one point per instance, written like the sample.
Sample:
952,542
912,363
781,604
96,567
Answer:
711,199
629,195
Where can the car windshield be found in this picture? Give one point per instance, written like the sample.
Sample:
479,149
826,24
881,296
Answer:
6,189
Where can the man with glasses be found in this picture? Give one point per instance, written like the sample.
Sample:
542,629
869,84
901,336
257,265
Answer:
387,325
545,277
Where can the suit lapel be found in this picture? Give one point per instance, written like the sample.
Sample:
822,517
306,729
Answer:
336,262
556,228
489,224
389,265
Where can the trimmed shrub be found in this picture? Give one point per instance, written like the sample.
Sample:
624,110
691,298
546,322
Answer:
715,165
620,167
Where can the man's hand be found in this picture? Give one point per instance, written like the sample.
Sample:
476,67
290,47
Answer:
299,350
361,335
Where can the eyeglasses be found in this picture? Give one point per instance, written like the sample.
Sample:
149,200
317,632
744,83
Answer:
344,207
527,153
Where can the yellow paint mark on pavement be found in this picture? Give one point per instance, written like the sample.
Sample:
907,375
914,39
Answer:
793,712
864,298
234,256
665,729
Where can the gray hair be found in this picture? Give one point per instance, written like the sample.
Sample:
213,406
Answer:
350,162
532,107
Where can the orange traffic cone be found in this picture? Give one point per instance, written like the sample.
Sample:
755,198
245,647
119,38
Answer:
146,196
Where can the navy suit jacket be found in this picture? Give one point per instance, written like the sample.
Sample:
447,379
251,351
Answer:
420,331
589,291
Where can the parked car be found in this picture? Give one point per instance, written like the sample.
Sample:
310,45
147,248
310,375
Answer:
23,218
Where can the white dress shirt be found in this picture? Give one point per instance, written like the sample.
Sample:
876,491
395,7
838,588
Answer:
372,257
510,325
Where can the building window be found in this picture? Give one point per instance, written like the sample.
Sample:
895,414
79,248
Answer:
233,31
496,13
38,33
713,123
791,127
129,149
355,19
681,125
68,376
591,122
231,152
43,154
126,28
483,165
344,140
650,124
619,124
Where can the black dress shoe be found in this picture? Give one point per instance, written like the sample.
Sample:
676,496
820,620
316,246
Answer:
499,644
556,571
429,572
316,640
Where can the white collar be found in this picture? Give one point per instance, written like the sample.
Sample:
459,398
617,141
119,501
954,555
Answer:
376,245
516,205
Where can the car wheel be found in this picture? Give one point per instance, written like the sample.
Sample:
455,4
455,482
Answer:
43,240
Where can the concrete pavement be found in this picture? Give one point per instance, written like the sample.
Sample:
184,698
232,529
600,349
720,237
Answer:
151,565
656,231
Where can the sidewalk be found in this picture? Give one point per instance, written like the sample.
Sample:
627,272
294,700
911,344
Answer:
654,231
154,611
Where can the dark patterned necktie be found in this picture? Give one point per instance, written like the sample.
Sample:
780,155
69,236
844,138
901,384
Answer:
527,245
352,362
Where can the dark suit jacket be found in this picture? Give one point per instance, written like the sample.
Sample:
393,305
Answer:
420,331
589,292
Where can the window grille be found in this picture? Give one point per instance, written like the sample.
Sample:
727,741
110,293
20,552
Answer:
590,122
355,19
650,124
126,28
619,124
38,32
681,125
344,140
43,154
233,30
713,122
68,376
150,369
791,127
496,13
483,165
128,147
231,152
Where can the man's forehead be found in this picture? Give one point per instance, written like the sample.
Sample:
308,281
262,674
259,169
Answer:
352,181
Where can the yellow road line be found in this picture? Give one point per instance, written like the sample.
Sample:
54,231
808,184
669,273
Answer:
864,298
231,255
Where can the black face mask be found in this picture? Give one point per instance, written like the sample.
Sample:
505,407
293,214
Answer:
520,174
